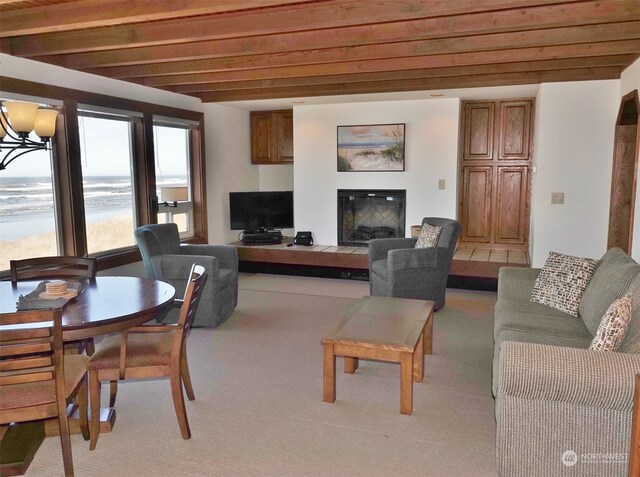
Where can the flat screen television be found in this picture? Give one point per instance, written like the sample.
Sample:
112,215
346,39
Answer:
259,211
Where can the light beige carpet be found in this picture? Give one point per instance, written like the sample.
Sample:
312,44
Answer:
259,409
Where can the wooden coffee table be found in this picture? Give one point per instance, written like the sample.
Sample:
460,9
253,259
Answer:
396,330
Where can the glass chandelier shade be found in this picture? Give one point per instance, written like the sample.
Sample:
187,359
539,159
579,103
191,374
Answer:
17,120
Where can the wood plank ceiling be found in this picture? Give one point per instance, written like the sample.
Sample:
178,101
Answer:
229,50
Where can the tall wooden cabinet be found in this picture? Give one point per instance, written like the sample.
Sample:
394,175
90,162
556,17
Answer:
272,137
495,168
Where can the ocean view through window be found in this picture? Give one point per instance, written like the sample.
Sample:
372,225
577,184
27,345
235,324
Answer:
27,214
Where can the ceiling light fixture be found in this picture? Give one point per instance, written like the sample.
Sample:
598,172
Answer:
17,120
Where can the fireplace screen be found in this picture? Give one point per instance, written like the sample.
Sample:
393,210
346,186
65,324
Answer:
367,214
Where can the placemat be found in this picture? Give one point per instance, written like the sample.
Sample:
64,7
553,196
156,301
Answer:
33,301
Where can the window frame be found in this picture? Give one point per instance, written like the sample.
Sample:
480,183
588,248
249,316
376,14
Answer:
67,170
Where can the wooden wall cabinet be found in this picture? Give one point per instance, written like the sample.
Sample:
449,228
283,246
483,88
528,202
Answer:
272,137
495,177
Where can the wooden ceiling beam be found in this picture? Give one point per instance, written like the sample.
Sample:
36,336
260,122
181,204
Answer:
565,64
98,13
329,14
417,84
532,18
392,51
627,47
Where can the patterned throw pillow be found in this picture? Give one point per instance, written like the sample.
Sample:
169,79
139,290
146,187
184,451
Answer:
613,326
429,236
562,281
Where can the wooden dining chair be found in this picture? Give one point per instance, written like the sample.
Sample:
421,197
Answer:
56,267
151,351
37,380
52,267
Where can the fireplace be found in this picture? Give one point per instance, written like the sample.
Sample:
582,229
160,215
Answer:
367,214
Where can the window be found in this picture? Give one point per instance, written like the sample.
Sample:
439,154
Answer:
27,214
99,183
173,179
106,151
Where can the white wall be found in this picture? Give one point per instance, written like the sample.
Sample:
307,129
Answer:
630,80
573,146
431,151
229,169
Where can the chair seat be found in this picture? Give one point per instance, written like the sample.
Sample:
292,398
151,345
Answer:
36,394
143,349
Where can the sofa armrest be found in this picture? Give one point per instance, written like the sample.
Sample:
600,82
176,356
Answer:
227,255
577,376
401,259
516,282
378,248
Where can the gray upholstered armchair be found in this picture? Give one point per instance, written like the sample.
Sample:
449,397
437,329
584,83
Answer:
166,259
398,269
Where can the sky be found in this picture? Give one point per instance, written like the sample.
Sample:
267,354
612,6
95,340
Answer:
105,151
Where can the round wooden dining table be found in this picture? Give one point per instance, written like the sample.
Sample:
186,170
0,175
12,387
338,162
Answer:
105,305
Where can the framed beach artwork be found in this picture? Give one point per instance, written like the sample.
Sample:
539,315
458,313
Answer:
371,148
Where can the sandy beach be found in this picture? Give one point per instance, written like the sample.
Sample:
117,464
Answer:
361,161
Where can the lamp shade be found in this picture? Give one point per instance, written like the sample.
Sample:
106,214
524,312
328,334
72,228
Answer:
45,122
22,116
3,126
174,193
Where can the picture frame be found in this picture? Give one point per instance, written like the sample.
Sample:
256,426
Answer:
371,148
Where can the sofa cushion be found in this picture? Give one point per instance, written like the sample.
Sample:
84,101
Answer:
522,315
562,281
613,325
610,281
429,235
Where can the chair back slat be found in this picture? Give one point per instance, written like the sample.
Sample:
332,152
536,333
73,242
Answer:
22,349
29,359
52,267
26,378
197,278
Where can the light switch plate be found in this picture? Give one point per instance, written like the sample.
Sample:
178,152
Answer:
441,184
557,197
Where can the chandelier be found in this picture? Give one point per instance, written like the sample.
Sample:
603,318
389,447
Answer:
17,120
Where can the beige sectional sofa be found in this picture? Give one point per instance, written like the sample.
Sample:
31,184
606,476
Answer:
562,409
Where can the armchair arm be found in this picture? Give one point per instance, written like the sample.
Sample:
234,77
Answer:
227,255
516,282
378,248
172,267
401,259
577,376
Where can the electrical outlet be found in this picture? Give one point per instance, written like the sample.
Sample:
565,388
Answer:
557,197
441,184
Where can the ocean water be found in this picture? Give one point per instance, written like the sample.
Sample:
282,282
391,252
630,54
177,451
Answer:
27,203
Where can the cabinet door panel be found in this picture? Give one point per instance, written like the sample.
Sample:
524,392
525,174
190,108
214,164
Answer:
285,137
476,220
515,125
511,205
479,130
261,138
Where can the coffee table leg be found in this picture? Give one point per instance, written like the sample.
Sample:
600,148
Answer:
406,383
350,364
428,335
328,373
418,361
